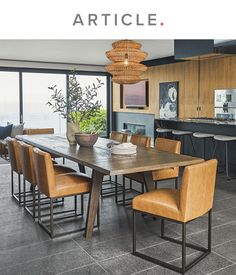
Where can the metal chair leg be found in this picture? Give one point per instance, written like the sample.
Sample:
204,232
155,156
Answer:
209,229
75,204
134,232
176,183
33,191
183,247
39,207
162,227
19,188
123,190
51,219
226,159
12,183
24,194
82,204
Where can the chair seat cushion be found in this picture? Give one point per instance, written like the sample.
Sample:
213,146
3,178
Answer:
161,202
62,169
71,184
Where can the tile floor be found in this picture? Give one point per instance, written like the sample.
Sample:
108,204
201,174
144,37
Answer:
27,249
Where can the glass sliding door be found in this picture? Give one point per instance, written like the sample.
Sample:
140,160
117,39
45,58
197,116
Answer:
9,98
88,80
36,112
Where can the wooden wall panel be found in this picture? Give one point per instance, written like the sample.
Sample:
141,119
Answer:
216,73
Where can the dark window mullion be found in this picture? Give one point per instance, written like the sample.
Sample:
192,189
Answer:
21,97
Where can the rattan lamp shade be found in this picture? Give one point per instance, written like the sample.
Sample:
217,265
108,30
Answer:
126,56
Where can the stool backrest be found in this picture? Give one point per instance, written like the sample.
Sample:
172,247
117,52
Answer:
141,140
27,160
197,189
168,145
118,136
14,154
44,171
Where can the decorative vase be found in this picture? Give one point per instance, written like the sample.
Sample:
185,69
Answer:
72,128
86,140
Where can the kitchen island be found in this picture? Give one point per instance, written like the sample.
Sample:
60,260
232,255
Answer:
205,125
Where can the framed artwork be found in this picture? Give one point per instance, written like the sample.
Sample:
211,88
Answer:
168,99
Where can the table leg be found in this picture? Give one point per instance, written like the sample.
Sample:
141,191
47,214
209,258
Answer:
148,180
97,179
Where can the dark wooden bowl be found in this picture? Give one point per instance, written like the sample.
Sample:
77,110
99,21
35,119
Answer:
86,140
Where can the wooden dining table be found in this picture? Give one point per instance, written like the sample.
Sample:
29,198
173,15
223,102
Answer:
102,162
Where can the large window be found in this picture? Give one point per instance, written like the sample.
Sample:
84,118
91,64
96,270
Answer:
24,95
36,112
9,98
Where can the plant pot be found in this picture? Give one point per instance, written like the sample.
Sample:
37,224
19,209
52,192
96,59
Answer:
72,128
86,140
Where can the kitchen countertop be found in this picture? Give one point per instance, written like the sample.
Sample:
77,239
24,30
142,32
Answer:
202,120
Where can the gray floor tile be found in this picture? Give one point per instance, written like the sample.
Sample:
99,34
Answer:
87,270
220,235
227,250
109,249
51,265
34,251
127,264
226,271
211,263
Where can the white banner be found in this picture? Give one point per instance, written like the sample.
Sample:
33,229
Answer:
107,19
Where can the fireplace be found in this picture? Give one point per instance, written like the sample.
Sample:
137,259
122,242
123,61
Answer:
134,128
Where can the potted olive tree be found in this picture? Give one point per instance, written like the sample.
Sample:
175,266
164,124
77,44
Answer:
83,111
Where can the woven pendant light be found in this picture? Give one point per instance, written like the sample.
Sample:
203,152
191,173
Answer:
126,56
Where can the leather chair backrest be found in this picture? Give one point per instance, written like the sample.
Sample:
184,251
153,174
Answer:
168,145
118,136
38,131
44,171
27,160
14,154
197,189
141,140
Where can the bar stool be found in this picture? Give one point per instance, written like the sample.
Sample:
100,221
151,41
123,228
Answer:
180,135
203,137
163,132
225,140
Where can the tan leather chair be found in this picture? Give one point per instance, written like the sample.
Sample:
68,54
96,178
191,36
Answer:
193,200
42,131
166,145
111,187
38,131
139,140
118,136
28,170
14,156
56,186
